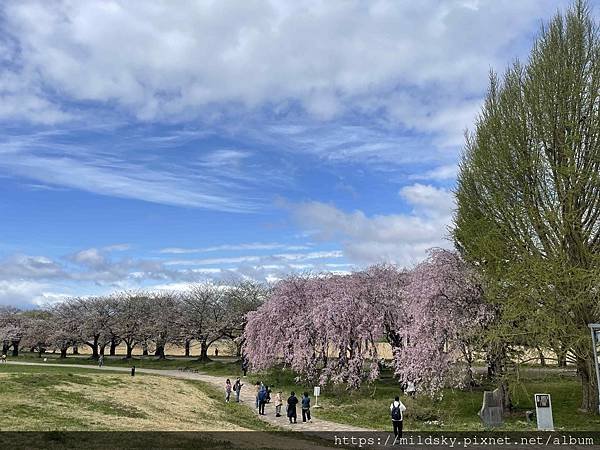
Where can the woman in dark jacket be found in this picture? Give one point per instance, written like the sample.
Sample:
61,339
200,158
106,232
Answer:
291,407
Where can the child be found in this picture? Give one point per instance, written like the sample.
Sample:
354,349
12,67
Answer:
278,403
306,407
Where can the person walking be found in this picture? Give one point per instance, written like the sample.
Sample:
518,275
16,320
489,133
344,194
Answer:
245,365
257,391
216,352
237,387
306,407
292,401
227,390
278,403
397,409
268,396
101,361
262,400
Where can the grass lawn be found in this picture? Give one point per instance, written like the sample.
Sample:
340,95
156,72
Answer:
457,411
225,366
368,407
62,399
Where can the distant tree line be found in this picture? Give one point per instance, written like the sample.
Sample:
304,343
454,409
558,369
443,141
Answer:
204,313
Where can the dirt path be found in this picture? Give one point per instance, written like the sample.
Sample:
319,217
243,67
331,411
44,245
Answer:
247,397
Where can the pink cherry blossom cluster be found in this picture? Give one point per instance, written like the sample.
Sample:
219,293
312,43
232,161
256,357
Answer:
326,327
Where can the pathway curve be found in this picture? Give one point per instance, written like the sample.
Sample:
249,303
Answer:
247,396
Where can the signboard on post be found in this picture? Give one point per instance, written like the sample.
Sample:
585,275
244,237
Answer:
317,393
543,412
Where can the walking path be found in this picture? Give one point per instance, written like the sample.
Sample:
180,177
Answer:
247,396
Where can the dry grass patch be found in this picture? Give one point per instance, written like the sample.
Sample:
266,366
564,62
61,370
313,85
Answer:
108,402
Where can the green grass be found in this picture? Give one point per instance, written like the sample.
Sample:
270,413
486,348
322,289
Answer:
225,366
457,411
35,397
57,400
369,406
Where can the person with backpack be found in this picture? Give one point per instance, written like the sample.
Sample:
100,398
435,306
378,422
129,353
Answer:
262,400
237,387
291,407
397,409
306,407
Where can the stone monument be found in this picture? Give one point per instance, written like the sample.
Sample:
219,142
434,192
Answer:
491,410
543,412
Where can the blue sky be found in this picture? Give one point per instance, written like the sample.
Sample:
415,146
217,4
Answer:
153,144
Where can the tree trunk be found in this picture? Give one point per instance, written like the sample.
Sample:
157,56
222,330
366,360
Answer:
113,347
561,356
41,350
63,352
15,346
203,351
160,351
589,387
102,349
75,350
542,357
144,349
5,347
94,347
129,350
187,347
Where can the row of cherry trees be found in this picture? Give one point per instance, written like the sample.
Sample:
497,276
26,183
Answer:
203,313
326,328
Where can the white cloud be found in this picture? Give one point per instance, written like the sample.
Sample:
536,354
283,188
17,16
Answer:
397,238
440,173
428,200
42,158
163,61
256,260
26,294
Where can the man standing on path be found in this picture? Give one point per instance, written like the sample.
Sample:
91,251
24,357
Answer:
262,400
291,407
397,409
101,361
306,407
237,387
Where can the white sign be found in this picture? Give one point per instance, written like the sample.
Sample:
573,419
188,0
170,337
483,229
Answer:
317,391
543,412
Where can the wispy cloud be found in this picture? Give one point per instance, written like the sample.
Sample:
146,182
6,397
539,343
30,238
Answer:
105,171
257,260
232,247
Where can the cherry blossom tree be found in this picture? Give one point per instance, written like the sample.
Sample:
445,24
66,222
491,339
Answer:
204,315
308,318
445,309
12,329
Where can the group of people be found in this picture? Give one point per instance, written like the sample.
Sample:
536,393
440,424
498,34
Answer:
236,387
263,396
